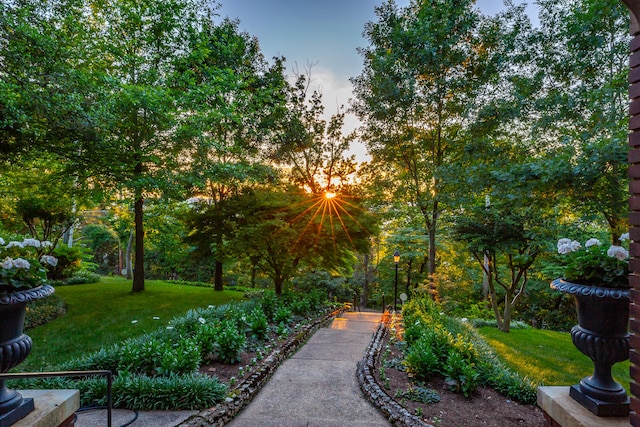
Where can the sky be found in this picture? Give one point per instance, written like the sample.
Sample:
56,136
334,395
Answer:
323,33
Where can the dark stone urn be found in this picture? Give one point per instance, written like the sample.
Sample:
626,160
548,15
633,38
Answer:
602,335
15,346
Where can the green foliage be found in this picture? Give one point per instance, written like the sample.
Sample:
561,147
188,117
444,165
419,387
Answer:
43,310
594,265
419,394
460,374
258,322
229,342
454,349
69,261
140,392
283,314
421,360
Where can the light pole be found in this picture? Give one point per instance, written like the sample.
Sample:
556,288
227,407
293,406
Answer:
396,259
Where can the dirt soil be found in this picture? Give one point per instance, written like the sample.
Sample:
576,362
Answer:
486,407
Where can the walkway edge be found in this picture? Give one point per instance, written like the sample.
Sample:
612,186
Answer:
391,409
247,389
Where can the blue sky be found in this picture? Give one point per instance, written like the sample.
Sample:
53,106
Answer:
325,33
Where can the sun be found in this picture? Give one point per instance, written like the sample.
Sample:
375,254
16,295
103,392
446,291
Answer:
329,195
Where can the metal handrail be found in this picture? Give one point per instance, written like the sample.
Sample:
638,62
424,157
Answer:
76,374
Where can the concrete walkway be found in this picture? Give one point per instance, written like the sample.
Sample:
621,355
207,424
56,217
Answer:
318,386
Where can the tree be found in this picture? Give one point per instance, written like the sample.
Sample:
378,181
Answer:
232,100
283,231
582,103
510,237
427,71
313,150
46,78
138,149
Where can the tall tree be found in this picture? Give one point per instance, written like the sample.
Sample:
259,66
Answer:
582,104
139,149
233,98
313,149
426,72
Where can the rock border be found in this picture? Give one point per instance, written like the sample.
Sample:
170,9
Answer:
248,388
391,409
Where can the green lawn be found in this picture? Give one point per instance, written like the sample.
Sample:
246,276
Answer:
546,356
104,313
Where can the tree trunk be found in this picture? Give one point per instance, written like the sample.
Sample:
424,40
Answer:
217,280
138,270
508,309
365,287
278,284
432,263
127,262
494,303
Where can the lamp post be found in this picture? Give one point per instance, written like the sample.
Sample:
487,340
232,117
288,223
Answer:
396,259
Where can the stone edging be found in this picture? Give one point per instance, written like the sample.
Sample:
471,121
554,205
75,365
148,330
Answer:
391,409
248,388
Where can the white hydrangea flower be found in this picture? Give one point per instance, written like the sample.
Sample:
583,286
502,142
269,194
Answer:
7,263
618,252
14,243
1,241
567,245
21,263
48,259
46,244
624,237
592,242
31,242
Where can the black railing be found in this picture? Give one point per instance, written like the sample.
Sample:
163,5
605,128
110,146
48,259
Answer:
68,374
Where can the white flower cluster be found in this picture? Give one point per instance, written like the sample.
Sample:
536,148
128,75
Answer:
618,252
567,245
21,263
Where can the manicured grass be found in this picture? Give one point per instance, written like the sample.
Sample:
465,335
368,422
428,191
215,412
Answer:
547,357
101,314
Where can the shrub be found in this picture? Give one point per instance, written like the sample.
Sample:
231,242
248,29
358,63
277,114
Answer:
460,374
43,310
283,315
140,392
421,361
258,322
464,358
69,261
229,342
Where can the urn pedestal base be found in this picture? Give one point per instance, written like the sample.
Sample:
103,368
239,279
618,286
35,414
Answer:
22,410
598,407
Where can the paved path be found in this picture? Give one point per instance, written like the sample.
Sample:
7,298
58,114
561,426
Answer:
317,386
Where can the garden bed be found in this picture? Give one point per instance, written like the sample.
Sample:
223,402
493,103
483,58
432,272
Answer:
485,408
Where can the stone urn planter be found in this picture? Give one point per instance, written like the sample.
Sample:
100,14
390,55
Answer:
602,335
15,346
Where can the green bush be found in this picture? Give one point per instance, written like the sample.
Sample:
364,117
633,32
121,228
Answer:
421,361
69,261
454,349
43,310
258,323
460,374
229,342
283,315
140,392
